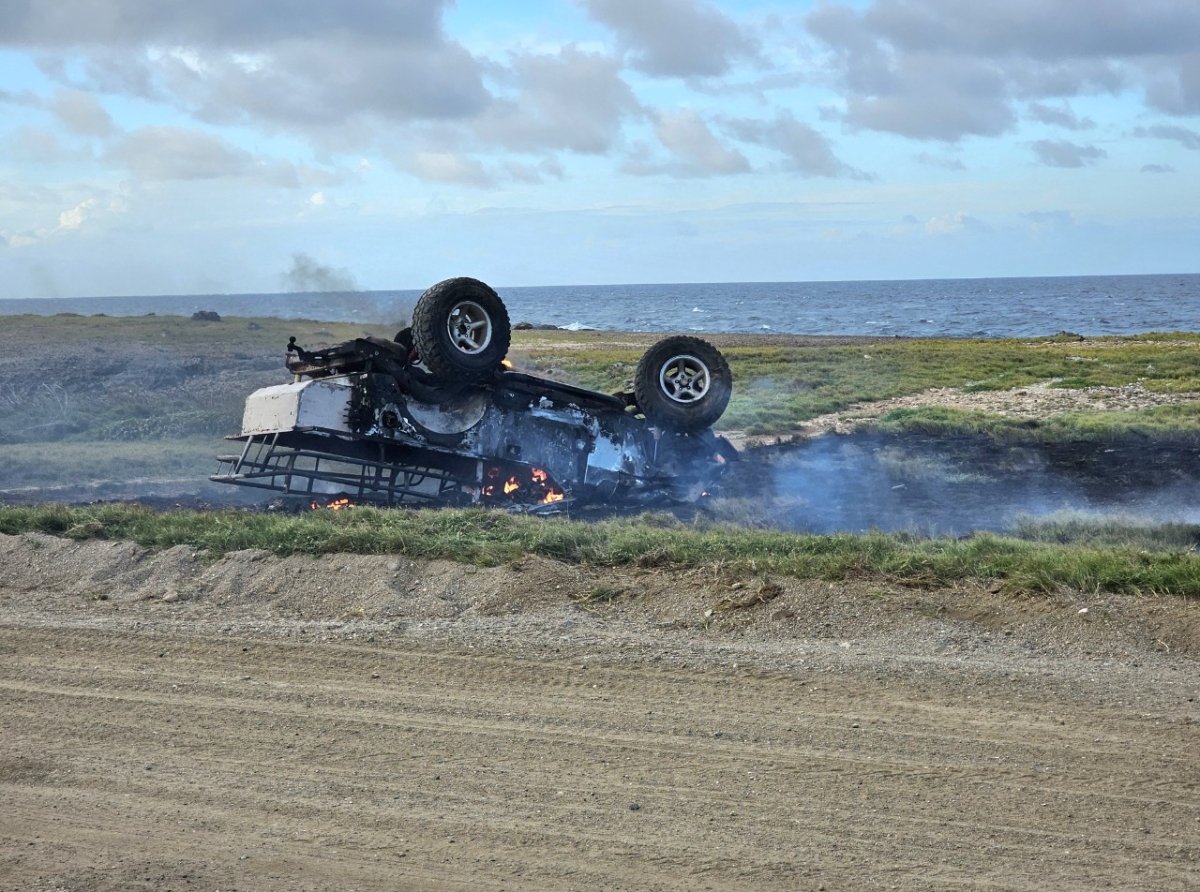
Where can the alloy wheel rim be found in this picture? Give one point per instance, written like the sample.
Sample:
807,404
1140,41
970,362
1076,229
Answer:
470,327
684,379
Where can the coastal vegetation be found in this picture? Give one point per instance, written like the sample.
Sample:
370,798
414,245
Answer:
1073,554
99,398
102,400
1179,422
164,379
778,388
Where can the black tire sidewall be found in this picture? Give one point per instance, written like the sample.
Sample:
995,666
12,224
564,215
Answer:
659,407
431,334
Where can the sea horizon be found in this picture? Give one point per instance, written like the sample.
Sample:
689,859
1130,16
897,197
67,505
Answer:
1016,306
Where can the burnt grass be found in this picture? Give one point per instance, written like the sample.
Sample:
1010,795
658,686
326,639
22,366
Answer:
943,484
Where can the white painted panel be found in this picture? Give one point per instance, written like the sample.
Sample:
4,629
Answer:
310,403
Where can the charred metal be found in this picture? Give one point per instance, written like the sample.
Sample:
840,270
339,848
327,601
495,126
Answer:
435,417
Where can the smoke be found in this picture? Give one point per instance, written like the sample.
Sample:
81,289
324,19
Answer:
34,410
307,274
856,484
395,311
954,486
341,298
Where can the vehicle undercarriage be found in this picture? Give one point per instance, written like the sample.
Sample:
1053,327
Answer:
435,417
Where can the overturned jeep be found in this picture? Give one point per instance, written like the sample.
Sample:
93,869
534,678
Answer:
437,416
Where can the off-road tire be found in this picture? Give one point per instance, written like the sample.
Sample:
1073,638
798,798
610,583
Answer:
683,383
461,330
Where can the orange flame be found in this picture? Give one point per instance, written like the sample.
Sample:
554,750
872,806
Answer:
335,505
524,484
504,363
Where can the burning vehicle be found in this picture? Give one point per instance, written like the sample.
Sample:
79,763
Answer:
437,416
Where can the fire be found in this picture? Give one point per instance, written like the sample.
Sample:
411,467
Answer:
335,505
506,364
521,484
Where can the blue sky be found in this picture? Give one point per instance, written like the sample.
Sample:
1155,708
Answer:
171,147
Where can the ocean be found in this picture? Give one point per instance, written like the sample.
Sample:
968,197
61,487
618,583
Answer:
960,308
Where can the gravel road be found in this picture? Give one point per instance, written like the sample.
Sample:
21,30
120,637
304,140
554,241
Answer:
171,722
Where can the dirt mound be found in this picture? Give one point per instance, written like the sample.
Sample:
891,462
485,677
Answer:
364,595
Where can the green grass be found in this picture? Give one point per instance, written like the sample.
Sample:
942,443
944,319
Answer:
85,379
1176,422
180,332
1114,531
1095,559
777,388
60,423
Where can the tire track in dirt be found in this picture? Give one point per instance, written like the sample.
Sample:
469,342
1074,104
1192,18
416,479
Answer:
321,776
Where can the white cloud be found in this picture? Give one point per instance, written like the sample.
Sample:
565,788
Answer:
1175,85
75,217
175,153
204,111
81,113
1059,116
699,153
675,38
806,151
1061,153
1041,222
1186,137
304,65
33,146
548,168
572,99
215,22
951,224
22,239
449,167
945,69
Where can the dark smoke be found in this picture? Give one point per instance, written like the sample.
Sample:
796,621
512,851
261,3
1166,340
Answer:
341,297
307,274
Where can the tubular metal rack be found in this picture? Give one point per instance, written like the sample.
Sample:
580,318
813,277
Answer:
311,463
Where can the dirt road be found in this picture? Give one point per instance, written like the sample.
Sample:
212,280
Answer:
238,737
